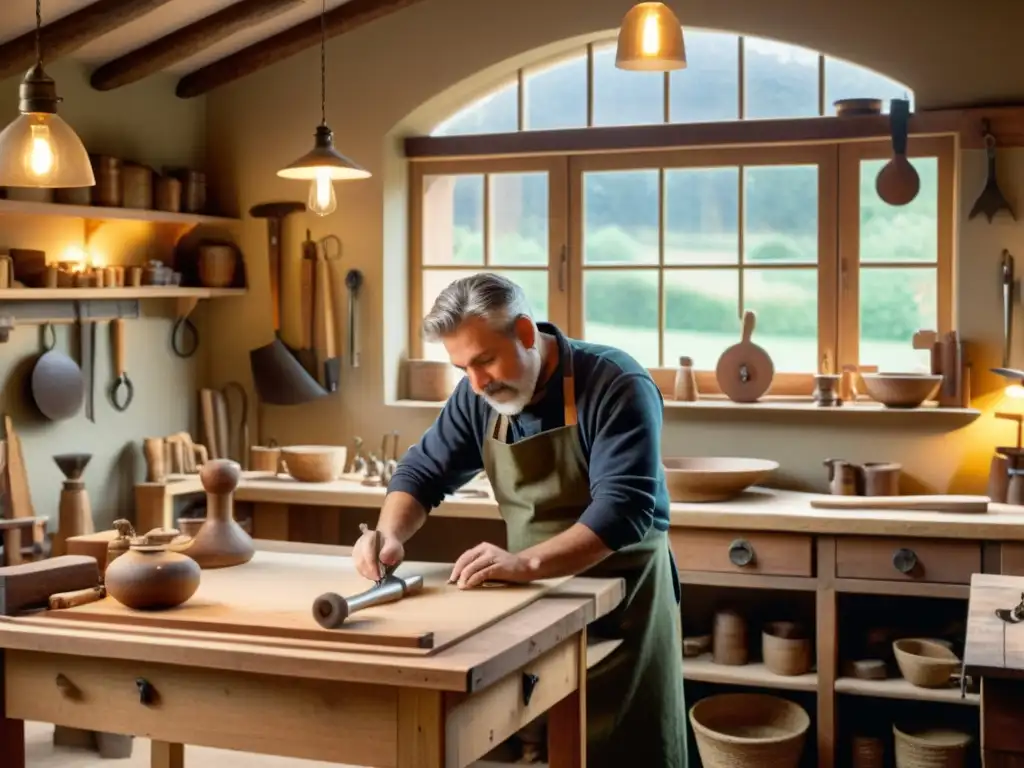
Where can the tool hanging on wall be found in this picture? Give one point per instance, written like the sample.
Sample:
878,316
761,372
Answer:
1006,273
325,331
184,335
122,391
898,183
991,200
87,360
56,383
353,281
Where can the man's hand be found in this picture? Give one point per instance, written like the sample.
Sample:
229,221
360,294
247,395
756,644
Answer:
486,562
391,553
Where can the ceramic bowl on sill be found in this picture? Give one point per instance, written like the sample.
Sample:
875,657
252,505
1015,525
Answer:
901,390
705,479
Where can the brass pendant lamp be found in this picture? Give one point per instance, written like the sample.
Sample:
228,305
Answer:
39,149
324,164
650,40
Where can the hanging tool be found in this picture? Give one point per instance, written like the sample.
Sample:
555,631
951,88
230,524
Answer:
56,383
122,382
353,281
991,200
898,182
325,331
87,359
184,337
306,353
1006,272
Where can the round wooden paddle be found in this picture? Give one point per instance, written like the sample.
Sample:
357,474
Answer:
745,370
898,183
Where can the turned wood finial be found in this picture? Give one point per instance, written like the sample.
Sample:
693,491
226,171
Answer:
220,476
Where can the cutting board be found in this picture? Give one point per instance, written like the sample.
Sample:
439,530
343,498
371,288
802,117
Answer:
272,596
927,503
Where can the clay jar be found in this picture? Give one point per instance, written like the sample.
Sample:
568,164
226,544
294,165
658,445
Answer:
221,542
150,577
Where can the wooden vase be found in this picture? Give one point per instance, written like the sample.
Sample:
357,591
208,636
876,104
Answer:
221,542
149,576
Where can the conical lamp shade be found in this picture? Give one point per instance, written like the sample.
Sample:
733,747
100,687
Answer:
323,161
650,40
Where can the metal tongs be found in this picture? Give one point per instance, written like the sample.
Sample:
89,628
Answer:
378,542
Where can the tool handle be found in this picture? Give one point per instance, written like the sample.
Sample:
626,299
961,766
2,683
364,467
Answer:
61,600
749,321
117,331
332,610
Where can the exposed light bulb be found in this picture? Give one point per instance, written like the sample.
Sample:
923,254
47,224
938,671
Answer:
1014,392
40,160
651,41
322,199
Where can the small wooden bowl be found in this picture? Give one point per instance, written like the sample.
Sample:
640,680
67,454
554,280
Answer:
314,463
695,645
854,107
786,648
713,479
900,390
925,663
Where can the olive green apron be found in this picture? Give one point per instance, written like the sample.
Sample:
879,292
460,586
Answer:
542,487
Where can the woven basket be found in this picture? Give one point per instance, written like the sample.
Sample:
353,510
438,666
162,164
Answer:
930,748
749,730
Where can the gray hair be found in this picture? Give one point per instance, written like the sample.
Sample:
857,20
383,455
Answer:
492,297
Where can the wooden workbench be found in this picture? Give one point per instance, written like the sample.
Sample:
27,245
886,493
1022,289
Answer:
309,699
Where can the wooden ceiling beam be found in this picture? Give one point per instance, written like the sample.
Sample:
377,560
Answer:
71,32
185,42
345,18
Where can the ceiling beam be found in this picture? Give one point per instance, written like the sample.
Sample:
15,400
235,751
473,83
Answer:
185,42
69,33
351,15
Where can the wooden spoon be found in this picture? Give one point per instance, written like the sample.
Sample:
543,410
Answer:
898,183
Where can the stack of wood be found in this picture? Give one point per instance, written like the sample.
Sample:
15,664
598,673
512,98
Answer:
175,454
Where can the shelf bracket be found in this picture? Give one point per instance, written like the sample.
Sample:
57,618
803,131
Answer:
64,312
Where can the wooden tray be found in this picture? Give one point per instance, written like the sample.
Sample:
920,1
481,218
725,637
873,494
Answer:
272,596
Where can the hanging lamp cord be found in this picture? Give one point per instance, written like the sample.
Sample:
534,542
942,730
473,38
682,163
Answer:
323,61
39,25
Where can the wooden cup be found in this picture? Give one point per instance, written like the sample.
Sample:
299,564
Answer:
729,639
264,459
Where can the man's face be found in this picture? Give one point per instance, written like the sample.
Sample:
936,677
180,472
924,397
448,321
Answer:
503,369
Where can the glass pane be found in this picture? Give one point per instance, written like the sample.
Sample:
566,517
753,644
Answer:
556,94
621,309
894,305
844,80
534,283
497,112
786,303
620,217
781,222
519,219
453,219
900,232
708,89
701,306
625,98
702,215
781,80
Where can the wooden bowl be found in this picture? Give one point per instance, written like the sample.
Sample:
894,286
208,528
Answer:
713,479
925,663
786,648
854,107
314,463
749,730
900,390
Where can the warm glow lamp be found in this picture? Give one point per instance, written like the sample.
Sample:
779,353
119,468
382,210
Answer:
39,149
323,165
650,40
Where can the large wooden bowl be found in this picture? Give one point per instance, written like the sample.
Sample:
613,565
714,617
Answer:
314,463
901,390
713,479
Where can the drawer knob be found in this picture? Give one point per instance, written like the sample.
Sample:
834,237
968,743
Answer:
904,560
66,687
741,553
529,684
147,693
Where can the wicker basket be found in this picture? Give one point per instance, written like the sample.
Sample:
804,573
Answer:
930,748
749,730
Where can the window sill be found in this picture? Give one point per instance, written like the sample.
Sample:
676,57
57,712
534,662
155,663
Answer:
799,408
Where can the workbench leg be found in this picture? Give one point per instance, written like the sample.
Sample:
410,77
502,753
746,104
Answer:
827,622
567,720
12,732
420,729
166,755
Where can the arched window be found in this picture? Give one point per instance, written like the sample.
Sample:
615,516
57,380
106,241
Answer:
659,246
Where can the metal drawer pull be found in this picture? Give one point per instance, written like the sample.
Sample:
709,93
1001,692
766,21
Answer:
904,560
147,693
529,683
741,553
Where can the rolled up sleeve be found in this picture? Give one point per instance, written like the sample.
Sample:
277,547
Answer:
625,462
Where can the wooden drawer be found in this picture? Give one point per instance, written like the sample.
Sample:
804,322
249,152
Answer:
777,554
207,707
896,559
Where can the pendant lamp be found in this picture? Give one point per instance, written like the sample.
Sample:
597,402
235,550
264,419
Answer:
39,149
650,40
324,164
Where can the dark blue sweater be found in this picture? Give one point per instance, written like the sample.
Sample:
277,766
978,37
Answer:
620,417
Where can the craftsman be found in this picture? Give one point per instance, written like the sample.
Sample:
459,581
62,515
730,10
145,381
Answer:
569,434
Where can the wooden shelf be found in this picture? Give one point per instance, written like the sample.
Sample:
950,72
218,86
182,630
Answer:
102,213
143,292
898,688
702,668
